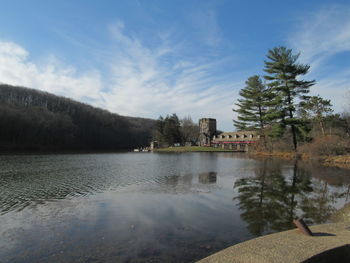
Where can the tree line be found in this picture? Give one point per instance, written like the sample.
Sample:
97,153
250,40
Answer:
32,120
172,130
279,108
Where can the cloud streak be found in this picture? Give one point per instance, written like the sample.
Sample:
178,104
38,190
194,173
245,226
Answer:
141,80
152,83
321,36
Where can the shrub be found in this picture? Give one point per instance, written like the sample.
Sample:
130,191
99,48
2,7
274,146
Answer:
327,145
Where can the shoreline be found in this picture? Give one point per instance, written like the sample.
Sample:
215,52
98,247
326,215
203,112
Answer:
181,149
341,161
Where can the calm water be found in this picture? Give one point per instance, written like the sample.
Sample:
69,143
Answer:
145,207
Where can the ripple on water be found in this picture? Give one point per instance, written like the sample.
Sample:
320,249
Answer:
153,207
30,180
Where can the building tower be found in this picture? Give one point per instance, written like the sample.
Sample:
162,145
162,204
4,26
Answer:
207,129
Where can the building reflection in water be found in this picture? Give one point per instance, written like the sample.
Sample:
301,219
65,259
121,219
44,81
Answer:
207,178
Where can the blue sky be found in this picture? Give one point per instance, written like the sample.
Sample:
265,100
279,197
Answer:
149,58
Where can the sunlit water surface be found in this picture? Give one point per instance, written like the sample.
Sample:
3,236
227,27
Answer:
148,207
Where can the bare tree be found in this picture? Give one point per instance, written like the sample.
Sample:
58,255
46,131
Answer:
189,130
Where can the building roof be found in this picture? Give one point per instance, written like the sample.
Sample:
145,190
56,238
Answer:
210,119
239,133
236,136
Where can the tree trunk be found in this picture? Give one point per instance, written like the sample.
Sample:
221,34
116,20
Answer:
294,133
262,127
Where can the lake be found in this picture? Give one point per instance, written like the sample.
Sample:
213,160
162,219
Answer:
154,207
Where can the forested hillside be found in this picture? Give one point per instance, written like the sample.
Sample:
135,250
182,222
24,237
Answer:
32,120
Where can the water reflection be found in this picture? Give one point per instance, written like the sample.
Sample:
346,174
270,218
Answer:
207,178
153,207
319,206
30,181
272,198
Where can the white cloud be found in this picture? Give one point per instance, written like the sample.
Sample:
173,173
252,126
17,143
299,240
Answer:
17,69
335,88
323,34
320,36
147,83
143,81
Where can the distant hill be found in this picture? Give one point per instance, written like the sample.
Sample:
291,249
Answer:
32,120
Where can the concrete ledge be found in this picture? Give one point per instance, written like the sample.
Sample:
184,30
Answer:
288,246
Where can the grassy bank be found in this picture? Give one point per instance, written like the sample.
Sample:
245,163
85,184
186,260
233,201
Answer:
192,149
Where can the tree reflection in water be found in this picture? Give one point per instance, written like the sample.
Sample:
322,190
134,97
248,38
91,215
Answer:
270,200
319,206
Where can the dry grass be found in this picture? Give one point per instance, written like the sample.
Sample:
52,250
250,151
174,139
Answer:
342,161
329,145
339,159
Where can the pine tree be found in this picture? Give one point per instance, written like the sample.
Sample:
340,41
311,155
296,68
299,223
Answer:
252,106
283,76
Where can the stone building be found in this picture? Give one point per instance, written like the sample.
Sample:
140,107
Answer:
239,141
207,129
